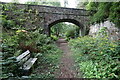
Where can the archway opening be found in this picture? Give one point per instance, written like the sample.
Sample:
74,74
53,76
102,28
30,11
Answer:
65,28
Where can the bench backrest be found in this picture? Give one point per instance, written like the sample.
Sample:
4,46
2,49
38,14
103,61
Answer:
23,57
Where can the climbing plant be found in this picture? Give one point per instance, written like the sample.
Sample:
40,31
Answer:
14,20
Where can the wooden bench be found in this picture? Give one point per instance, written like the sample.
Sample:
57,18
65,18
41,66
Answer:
25,61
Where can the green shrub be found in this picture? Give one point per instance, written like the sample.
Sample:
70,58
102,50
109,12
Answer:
54,37
15,43
9,47
101,11
70,33
97,57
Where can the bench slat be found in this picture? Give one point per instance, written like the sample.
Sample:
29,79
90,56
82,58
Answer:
22,55
29,63
24,59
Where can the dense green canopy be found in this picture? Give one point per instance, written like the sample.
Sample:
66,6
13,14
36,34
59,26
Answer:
104,11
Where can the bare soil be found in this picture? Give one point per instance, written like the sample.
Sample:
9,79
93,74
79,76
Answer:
66,65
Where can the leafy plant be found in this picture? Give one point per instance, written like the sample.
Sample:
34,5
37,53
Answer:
8,61
16,38
97,57
48,62
104,11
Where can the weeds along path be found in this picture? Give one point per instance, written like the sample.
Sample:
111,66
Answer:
66,65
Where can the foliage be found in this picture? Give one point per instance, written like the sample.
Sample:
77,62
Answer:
64,30
104,10
47,2
97,57
17,39
8,61
92,6
6,22
14,43
72,32
47,62
14,20
57,29
103,32
114,13
54,37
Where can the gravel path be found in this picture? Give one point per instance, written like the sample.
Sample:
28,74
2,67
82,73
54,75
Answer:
66,65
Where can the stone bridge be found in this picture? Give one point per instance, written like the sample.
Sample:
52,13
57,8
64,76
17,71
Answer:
47,16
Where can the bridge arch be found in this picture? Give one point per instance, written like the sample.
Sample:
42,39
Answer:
46,16
67,20
76,22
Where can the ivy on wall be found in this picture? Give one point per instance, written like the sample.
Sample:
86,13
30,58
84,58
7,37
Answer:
14,17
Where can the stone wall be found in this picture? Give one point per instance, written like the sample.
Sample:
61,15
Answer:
34,16
113,32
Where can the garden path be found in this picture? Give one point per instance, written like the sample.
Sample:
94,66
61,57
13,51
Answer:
66,65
